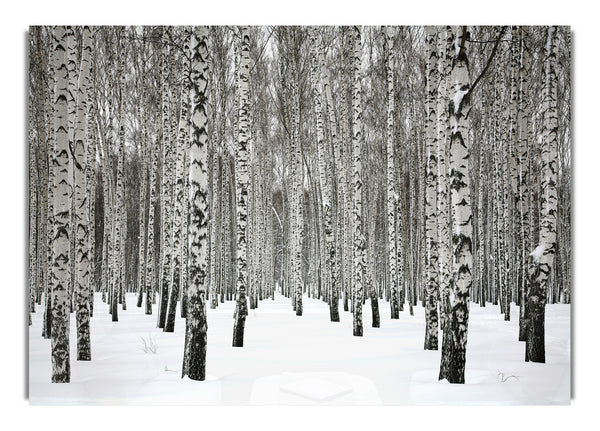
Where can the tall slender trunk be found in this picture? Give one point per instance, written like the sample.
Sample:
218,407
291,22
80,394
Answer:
242,180
51,163
80,163
194,359
432,284
178,221
452,365
72,106
524,132
61,366
445,49
33,206
143,155
320,76
91,193
151,277
392,194
166,186
541,259
358,238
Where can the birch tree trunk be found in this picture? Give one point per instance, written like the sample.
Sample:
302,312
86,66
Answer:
32,189
432,287
80,164
47,327
166,189
524,132
329,151
61,366
358,237
343,154
214,233
143,155
151,275
181,143
542,257
242,180
392,195
91,193
514,258
71,102
194,360
120,223
445,50
320,76
452,365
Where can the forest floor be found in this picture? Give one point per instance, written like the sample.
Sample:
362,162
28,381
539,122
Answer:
289,359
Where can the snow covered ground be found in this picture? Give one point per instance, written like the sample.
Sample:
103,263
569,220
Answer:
303,360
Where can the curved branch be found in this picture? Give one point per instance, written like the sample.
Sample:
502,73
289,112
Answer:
490,58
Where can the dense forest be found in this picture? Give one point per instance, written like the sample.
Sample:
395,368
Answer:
389,167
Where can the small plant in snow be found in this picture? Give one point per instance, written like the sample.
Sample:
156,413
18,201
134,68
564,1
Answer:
149,346
503,378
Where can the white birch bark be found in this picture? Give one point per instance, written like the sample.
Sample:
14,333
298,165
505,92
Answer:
524,132
40,155
320,76
81,197
358,236
120,222
178,222
47,328
72,106
141,279
297,168
392,193
194,361
33,208
242,180
215,196
346,150
91,177
151,275
452,365
432,284
513,254
445,50
331,149
542,257
61,368
166,189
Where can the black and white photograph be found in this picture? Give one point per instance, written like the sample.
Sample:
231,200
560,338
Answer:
299,215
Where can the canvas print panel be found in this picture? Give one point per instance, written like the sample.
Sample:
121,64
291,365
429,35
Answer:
299,215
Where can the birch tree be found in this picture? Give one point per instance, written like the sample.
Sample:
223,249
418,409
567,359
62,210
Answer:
80,163
61,366
242,180
358,236
392,195
329,165
181,143
167,173
445,51
432,287
542,257
194,360
453,359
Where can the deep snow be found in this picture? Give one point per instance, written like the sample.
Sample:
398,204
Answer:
289,359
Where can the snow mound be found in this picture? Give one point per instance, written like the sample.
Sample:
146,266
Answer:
314,388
